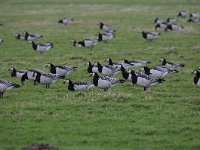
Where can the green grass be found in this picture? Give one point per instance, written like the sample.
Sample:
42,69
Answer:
125,117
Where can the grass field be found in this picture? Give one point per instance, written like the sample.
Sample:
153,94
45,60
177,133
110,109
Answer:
125,117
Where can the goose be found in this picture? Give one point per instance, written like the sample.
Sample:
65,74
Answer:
158,71
126,63
1,41
29,75
138,63
171,20
106,27
150,35
107,69
193,20
170,65
65,21
105,36
92,68
113,64
89,43
174,27
196,79
78,86
162,25
42,47
32,37
46,78
144,80
105,82
6,86
16,73
183,14
157,20
195,15
59,69
20,36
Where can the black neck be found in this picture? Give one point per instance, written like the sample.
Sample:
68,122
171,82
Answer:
99,67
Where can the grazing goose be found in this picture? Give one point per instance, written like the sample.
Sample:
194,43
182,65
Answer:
89,43
106,27
107,69
183,14
193,20
29,76
65,21
170,65
197,77
157,20
105,36
162,25
78,86
150,35
6,86
92,68
105,82
32,37
20,36
16,73
1,41
144,80
174,27
46,78
60,70
158,71
42,47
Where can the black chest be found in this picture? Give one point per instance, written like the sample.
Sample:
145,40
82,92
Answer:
196,79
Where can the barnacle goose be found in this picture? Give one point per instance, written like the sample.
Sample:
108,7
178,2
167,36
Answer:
89,43
105,36
29,75
157,20
6,86
196,79
107,69
105,82
113,64
106,27
171,20
16,73
174,27
1,41
144,80
170,65
193,20
32,37
59,69
183,14
194,15
158,71
46,78
162,25
42,47
65,21
78,86
150,35
92,67
20,36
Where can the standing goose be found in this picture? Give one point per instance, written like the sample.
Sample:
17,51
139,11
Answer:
105,82
32,37
150,35
107,69
106,27
78,86
196,79
92,68
144,80
60,70
65,21
89,43
170,65
42,47
16,73
46,78
6,86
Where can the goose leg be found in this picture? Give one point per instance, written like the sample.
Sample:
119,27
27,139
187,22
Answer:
145,88
0,95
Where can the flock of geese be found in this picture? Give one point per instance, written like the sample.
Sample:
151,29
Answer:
145,78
